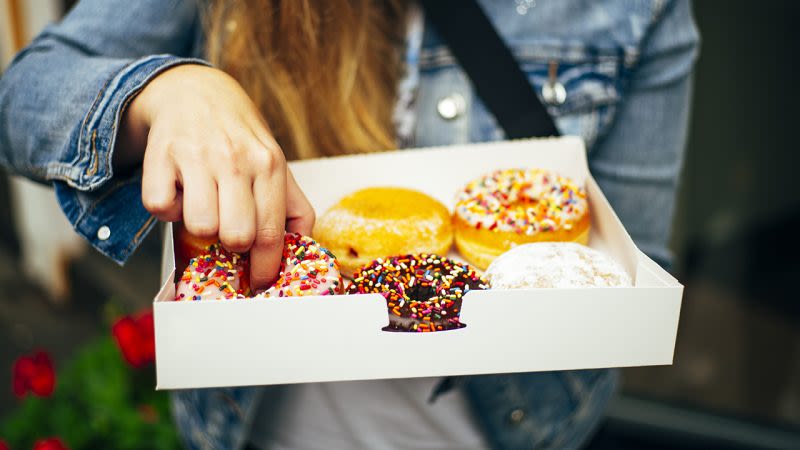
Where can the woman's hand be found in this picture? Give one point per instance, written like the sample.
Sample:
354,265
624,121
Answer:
211,160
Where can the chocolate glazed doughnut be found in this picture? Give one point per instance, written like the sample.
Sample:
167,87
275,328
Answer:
423,292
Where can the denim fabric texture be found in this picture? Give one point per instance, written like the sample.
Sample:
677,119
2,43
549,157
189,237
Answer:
625,68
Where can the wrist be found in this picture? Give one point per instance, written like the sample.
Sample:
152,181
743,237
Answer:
131,139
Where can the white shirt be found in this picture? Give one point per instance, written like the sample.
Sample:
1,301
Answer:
375,414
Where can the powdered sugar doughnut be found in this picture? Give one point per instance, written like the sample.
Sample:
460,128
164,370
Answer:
306,269
554,265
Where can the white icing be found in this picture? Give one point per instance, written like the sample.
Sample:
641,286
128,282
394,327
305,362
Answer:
521,200
554,265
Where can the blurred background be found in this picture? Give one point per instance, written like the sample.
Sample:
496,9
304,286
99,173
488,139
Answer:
735,382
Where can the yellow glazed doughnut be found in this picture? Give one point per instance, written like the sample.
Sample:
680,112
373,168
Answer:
380,222
516,206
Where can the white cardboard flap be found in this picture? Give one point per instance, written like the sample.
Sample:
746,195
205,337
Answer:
437,171
335,338
340,338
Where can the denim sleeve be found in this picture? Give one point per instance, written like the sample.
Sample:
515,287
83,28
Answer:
638,163
62,98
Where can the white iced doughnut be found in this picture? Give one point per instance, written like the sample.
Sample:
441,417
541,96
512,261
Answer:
554,265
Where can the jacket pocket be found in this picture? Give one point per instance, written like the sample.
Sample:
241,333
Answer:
580,87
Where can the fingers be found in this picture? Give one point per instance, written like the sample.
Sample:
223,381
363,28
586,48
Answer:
237,213
299,213
200,213
269,191
160,194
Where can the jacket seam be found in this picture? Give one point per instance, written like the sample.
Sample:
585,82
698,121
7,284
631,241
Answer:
137,237
96,159
588,400
111,190
90,114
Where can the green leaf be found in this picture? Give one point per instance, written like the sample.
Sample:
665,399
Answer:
99,402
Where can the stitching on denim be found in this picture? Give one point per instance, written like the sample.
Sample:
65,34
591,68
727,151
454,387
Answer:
139,233
232,403
440,56
61,170
90,113
557,441
112,189
93,111
91,170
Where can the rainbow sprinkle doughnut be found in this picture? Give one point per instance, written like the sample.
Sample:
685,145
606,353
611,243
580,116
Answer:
423,292
216,274
511,207
306,269
521,201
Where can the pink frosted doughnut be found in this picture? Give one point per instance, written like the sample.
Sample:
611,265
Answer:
215,275
306,269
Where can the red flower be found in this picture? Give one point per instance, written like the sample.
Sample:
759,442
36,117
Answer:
3,445
52,443
135,337
33,373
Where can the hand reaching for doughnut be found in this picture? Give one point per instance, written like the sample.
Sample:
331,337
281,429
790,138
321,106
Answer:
209,158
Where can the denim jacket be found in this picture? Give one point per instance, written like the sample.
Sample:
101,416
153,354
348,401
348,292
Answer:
616,72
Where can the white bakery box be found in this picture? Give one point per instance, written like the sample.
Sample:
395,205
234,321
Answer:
335,338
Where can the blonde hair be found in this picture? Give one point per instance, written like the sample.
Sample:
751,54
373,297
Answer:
324,73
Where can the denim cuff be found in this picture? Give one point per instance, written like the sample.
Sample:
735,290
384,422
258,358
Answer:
98,132
110,215
112,218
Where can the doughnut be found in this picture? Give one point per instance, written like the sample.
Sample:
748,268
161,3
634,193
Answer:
554,265
423,292
516,206
215,274
188,246
384,221
306,269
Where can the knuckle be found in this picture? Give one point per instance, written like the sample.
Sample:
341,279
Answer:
232,151
269,237
236,240
157,205
201,229
176,148
268,160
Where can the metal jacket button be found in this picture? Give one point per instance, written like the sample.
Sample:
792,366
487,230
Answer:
451,106
103,233
554,93
516,416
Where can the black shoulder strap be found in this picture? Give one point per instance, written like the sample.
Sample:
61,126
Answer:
497,77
